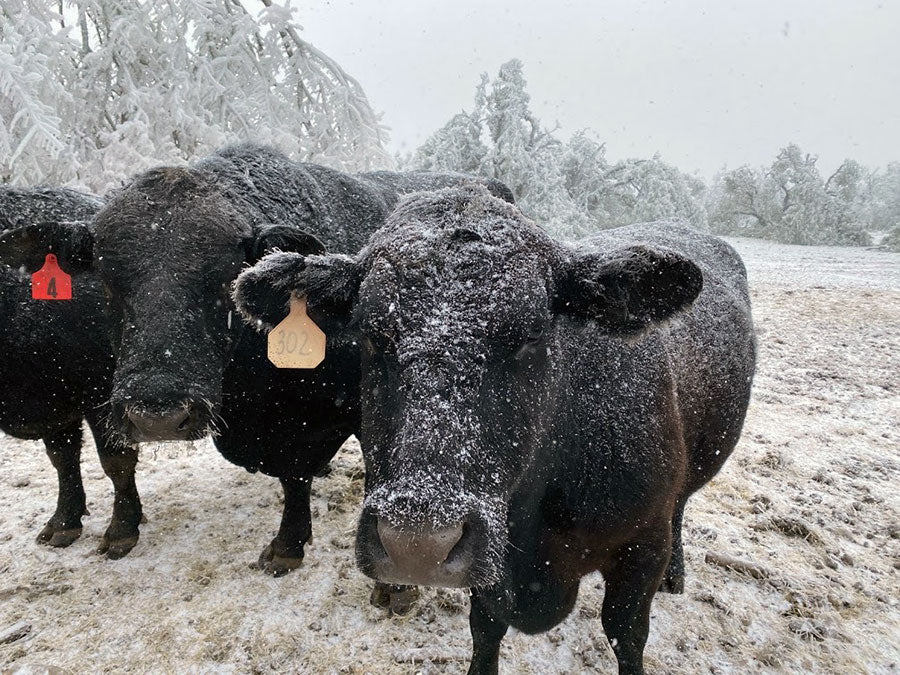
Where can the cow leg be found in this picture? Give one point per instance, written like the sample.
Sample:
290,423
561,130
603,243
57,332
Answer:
285,552
673,580
119,462
631,582
397,598
64,451
487,634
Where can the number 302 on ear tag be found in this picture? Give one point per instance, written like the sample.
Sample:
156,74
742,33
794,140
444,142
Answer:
297,342
50,282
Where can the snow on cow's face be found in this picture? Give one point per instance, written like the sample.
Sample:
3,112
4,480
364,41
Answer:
167,249
457,335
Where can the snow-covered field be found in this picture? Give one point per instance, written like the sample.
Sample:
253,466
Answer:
810,495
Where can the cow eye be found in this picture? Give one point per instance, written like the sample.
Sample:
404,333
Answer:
535,335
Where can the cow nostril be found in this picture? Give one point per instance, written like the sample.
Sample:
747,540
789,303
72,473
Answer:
185,423
462,542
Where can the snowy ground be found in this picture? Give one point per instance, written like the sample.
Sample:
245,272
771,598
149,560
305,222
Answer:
811,494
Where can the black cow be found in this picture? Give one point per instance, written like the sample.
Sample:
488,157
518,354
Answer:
168,247
531,411
56,368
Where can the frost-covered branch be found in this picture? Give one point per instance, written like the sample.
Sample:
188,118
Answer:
129,84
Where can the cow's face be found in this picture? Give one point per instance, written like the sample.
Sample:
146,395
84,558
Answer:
167,262
460,306
456,336
167,249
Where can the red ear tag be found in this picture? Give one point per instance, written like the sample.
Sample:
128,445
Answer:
50,282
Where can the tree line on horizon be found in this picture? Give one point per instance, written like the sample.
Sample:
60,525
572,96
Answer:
98,90
572,189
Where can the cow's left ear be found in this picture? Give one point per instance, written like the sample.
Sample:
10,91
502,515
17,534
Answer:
627,289
330,283
268,237
28,246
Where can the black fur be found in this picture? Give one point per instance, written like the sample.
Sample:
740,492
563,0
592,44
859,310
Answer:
56,365
168,247
560,404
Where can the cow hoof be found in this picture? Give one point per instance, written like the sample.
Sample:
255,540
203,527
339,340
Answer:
674,585
117,548
403,601
277,565
381,596
399,600
51,536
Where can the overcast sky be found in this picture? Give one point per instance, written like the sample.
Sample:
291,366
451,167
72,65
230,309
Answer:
703,83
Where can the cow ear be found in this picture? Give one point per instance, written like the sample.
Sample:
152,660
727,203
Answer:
330,283
28,246
626,290
268,237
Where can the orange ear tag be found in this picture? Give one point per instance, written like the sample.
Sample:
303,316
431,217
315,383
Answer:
297,342
50,282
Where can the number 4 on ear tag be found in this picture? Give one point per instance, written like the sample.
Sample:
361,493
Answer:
50,282
297,342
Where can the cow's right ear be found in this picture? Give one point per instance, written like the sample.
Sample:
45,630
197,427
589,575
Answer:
28,246
330,283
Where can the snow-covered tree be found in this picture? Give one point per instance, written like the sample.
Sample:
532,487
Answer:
885,205
790,202
738,203
584,166
36,70
501,138
456,146
109,87
850,182
570,188
573,189
526,156
642,190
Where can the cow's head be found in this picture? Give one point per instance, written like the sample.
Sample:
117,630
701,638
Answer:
167,248
462,309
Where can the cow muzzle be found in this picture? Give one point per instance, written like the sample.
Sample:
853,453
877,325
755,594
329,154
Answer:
425,557
187,421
